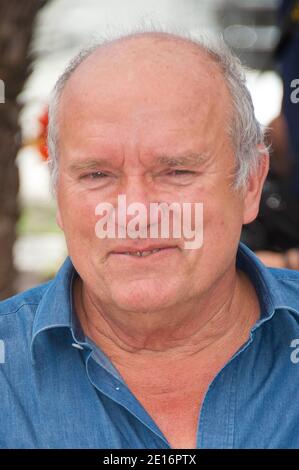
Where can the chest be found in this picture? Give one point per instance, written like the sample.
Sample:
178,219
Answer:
173,399
176,413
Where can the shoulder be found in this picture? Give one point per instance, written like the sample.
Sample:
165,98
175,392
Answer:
27,300
286,286
17,315
284,273
287,281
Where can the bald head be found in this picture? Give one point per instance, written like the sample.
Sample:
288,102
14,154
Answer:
147,51
155,67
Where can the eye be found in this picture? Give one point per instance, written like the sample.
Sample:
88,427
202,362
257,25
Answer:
180,172
95,175
95,179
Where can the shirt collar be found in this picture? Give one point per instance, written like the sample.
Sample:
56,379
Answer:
269,284
55,309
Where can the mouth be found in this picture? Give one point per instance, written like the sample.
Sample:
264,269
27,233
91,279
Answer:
144,253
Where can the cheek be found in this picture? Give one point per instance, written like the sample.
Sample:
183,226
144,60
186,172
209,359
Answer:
222,218
78,215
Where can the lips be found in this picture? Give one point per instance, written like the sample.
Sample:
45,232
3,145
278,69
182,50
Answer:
141,251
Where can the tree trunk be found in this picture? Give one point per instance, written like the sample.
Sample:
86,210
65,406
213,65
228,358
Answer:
16,25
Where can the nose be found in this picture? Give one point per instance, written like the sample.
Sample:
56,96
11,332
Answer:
136,190
134,200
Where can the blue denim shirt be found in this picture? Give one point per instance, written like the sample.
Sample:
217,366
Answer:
58,390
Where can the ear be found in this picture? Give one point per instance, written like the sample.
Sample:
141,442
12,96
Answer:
254,187
59,219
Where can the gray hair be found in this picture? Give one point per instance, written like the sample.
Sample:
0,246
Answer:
246,132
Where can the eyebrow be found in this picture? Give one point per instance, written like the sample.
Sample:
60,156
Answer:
187,159
89,164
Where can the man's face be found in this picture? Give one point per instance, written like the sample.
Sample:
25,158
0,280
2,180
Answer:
123,109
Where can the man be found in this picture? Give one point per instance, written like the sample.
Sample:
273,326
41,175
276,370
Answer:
133,348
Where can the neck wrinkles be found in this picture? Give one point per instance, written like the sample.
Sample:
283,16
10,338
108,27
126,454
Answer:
224,315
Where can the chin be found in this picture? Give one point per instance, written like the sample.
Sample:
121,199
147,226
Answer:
141,296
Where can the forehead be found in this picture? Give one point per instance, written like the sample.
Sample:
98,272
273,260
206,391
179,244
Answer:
143,83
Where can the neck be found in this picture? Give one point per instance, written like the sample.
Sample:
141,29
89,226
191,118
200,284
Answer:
220,317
